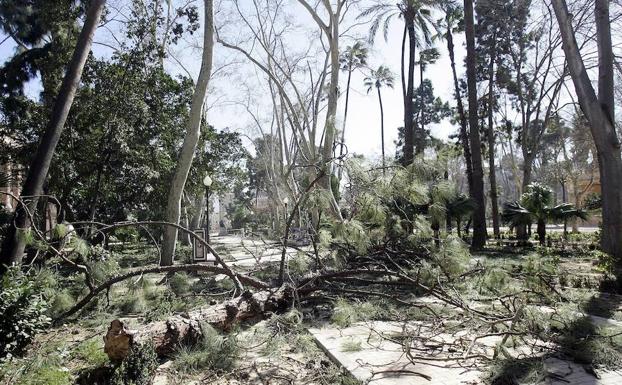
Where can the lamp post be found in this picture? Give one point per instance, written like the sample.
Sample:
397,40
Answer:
207,182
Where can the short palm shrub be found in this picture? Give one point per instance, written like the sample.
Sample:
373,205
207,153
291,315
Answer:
536,205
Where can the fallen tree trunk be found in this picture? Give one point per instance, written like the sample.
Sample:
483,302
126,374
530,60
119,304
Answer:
168,335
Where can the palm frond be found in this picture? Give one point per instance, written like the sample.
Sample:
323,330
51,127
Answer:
515,214
566,211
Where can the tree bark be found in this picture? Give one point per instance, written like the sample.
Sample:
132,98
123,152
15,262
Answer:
494,201
420,147
541,232
409,131
464,130
599,112
345,116
191,139
14,245
479,214
384,170
167,336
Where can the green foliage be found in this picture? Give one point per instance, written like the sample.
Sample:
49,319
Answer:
214,352
61,302
346,313
299,265
452,257
586,344
138,368
495,280
180,283
593,201
23,311
47,375
91,352
536,205
509,371
351,345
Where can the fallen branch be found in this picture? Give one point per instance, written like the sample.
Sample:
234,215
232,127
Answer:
253,282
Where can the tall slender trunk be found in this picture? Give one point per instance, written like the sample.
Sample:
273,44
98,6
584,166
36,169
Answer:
464,131
564,200
600,113
345,116
402,73
14,245
494,201
479,214
420,141
191,139
541,227
408,100
331,108
384,169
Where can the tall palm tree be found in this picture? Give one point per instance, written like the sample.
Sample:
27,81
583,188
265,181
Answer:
477,188
418,25
452,23
382,77
353,58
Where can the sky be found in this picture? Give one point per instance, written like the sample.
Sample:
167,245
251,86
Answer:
363,122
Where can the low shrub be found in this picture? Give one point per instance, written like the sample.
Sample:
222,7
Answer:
23,311
138,368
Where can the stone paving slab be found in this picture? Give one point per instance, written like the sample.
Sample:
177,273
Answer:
380,361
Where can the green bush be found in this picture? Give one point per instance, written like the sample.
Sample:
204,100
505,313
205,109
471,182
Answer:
180,284
214,352
138,368
23,311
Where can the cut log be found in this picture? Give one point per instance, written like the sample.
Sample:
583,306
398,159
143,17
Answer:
166,336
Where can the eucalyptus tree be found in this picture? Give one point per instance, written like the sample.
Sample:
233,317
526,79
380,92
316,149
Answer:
451,23
13,245
329,29
303,97
599,111
381,77
418,28
186,155
477,193
354,57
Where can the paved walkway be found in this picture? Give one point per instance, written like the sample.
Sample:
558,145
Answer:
249,252
370,352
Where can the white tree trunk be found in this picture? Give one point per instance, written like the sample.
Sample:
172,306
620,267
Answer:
191,139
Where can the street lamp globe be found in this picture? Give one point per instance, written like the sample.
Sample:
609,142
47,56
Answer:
207,181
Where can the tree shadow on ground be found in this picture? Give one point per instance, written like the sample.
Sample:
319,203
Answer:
579,341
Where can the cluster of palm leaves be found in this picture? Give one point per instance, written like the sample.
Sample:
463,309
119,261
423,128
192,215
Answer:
536,205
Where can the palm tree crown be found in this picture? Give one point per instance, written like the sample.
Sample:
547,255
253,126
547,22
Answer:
416,10
382,77
354,56
536,205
